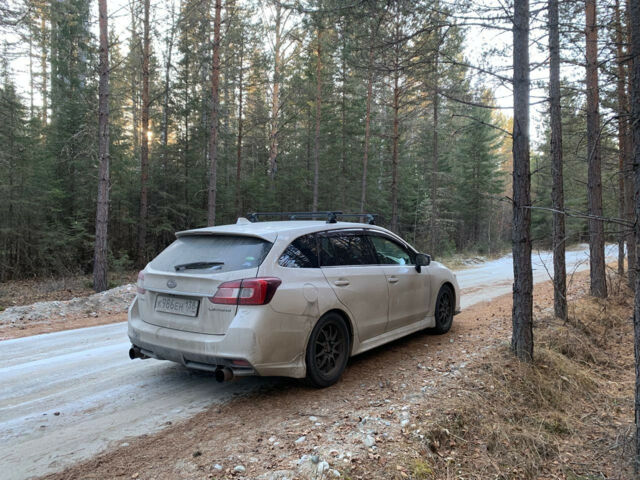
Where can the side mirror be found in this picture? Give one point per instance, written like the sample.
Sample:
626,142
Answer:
422,260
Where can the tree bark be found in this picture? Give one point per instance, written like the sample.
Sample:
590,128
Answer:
53,57
433,224
594,193
316,145
522,314
100,264
394,149
367,126
623,108
144,141
343,180
632,256
43,66
213,137
134,87
557,190
31,83
272,166
634,24
238,199
165,102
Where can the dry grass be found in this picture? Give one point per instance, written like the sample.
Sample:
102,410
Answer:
567,415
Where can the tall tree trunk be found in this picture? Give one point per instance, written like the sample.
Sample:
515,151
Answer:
238,201
309,123
522,314
187,148
165,102
31,83
594,193
433,223
623,108
144,141
632,257
394,148
213,137
629,181
272,166
557,190
316,145
53,57
634,28
367,125
165,118
134,87
43,66
100,265
342,177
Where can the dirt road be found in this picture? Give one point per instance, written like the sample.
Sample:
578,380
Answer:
66,396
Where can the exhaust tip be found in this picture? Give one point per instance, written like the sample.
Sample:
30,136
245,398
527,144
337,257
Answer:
134,352
223,374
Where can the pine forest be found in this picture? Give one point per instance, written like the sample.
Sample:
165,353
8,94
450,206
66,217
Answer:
374,107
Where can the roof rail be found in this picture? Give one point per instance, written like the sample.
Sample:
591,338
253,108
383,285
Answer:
331,216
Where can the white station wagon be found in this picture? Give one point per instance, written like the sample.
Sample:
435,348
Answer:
293,298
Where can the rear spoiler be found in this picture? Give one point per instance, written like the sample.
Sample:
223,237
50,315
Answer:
268,236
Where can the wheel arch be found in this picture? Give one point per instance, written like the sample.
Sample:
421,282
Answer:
444,283
347,321
452,288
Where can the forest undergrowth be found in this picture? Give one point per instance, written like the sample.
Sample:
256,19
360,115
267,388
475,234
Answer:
568,415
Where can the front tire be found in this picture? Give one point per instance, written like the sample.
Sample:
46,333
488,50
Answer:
445,305
327,351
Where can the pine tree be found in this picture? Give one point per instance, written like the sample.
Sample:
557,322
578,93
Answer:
522,316
100,266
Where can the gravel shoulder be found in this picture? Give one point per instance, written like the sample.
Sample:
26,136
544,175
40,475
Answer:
366,426
102,308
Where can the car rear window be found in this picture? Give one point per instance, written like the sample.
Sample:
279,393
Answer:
345,249
301,253
212,254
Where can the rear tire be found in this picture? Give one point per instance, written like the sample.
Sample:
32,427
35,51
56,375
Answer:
327,351
445,305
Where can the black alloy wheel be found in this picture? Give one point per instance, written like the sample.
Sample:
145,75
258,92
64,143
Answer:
327,351
444,310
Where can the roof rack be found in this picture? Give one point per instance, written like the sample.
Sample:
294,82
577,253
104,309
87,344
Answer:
332,217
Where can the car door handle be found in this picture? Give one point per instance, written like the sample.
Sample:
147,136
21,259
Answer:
341,283
393,279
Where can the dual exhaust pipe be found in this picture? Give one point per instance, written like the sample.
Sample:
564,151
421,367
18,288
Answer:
224,374
135,352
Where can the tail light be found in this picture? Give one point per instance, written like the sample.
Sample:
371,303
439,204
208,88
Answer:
249,291
140,285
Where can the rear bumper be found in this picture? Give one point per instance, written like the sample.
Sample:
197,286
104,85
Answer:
272,343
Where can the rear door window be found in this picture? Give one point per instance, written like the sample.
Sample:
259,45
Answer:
390,252
345,248
212,254
301,253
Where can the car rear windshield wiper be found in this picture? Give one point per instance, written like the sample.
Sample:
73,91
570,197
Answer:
197,265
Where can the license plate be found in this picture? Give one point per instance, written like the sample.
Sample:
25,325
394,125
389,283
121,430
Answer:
177,305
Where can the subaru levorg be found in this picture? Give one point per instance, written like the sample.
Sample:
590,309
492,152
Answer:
291,298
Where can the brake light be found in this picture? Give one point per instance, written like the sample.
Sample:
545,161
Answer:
140,285
249,291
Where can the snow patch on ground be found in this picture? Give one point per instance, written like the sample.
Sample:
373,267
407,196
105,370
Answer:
116,300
